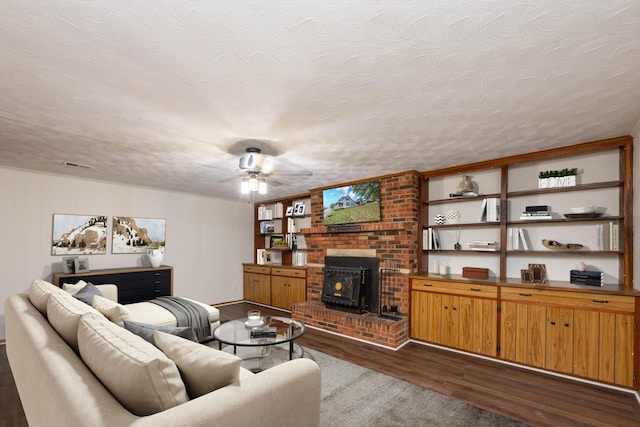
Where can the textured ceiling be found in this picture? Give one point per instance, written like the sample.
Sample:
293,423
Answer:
155,93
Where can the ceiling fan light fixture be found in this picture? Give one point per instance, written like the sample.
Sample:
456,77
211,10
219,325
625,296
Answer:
262,186
244,186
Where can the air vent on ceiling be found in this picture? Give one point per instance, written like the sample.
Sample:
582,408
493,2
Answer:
76,165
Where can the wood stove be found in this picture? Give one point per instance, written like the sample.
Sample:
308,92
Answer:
350,282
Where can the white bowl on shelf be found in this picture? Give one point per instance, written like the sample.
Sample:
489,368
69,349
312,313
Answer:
583,210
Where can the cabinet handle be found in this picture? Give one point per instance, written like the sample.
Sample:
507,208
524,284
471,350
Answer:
525,295
552,322
600,301
566,324
454,309
446,307
475,289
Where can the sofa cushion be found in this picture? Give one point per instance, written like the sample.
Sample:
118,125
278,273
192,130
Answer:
145,331
140,376
74,288
64,313
203,368
39,292
113,311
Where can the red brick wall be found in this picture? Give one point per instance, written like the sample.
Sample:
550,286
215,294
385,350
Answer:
394,238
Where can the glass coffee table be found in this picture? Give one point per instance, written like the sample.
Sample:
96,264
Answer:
237,333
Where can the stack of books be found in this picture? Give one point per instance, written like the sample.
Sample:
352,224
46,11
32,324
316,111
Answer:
483,245
536,213
464,194
430,239
263,332
518,239
591,278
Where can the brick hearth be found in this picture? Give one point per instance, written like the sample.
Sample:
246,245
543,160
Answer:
368,326
393,240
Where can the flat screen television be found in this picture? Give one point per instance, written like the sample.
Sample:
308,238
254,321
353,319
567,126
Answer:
352,203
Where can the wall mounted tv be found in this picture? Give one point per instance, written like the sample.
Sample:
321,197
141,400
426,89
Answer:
352,203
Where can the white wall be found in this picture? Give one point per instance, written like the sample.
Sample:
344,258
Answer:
207,239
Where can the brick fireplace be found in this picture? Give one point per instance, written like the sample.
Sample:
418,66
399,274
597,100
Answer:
393,241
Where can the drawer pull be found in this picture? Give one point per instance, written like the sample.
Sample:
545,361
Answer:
475,289
427,284
525,295
600,301
157,291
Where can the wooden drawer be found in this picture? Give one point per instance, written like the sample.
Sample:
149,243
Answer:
458,288
260,269
571,299
289,272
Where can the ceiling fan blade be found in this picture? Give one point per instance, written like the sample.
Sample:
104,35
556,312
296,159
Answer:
291,172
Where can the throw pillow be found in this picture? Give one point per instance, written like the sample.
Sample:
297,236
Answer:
140,376
145,331
64,313
87,293
203,368
39,292
113,311
74,289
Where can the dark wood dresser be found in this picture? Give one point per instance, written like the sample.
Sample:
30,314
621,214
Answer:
134,284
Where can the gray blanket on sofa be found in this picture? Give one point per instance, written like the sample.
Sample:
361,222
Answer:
187,313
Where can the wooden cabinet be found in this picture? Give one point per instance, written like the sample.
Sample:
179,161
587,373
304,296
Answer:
134,284
288,286
257,284
585,334
455,314
275,285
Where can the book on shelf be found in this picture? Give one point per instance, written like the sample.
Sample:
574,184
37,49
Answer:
430,239
279,210
591,278
608,236
524,239
264,213
536,215
490,210
267,227
483,245
464,194
537,208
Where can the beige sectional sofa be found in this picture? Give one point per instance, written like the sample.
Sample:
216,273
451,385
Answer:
74,367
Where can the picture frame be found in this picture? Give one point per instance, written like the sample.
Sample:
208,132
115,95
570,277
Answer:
79,234
538,273
131,235
68,264
525,276
277,241
81,265
298,209
289,211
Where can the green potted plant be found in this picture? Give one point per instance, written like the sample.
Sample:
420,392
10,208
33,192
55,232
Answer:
557,178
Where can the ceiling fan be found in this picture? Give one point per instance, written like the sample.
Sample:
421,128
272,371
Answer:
257,161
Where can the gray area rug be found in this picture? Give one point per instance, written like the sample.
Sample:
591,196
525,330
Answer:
354,396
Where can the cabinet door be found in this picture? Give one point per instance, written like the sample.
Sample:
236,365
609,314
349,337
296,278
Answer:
297,291
523,333
603,346
279,291
478,325
559,344
425,316
257,288
450,320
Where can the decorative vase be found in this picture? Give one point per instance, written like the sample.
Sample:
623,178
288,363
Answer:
155,257
466,185
452,217
439,219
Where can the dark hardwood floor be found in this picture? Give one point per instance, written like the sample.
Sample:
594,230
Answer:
534,398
